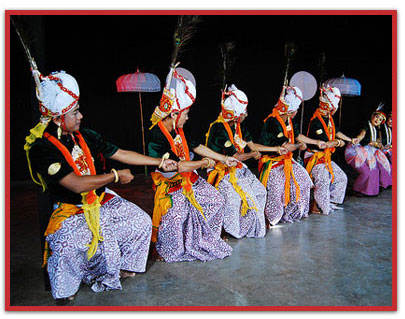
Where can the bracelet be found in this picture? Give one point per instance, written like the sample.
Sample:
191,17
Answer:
117,178
164,157
208,164
161,163
338,143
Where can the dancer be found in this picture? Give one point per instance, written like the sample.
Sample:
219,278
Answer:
288,183
368,158
245,196
329,179
94,236
188,213
387,137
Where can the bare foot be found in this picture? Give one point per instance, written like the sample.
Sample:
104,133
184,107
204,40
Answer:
224,235
62,301
315,208
225,238
155,255
126,274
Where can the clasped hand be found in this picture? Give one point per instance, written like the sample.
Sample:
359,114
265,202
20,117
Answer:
231,161
169,165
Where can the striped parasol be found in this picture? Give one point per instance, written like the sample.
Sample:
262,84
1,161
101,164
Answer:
139,82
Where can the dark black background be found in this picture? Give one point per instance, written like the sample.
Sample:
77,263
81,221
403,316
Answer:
97,49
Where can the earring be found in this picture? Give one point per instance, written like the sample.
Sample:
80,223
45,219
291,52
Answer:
59,131
174,125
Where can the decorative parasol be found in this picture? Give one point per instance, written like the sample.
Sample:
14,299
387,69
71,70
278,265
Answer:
139,82
347,87
306,82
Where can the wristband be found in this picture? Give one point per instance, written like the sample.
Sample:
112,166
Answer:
117,178
164,157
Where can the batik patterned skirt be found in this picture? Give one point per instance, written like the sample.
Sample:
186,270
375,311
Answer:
275,210
126,230
325,190
373,167
185,234
252,224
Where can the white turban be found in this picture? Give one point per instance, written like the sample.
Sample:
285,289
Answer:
237,101
330,96
59,93
184,93
293,98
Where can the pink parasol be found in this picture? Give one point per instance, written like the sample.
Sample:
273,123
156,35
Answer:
139,82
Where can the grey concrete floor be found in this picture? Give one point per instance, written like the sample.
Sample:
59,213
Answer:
343,259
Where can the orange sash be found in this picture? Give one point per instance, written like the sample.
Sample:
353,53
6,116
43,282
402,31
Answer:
326,154
90,200
266,162
186,180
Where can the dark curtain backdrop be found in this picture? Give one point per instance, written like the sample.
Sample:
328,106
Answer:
97,49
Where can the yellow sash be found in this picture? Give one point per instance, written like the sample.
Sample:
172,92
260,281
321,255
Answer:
327,154
61,213
163,200
218,173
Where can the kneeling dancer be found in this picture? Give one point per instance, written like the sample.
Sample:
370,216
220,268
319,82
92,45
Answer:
188,213
93,236
329,179
287,182
368,157
245,196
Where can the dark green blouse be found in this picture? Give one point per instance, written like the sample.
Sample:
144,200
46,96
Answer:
43,154
219,136
158,144
272,133
317,131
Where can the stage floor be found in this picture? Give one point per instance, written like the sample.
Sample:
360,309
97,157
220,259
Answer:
344,259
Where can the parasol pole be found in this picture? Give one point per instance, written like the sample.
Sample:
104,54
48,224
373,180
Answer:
340,112
143,132
302,117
